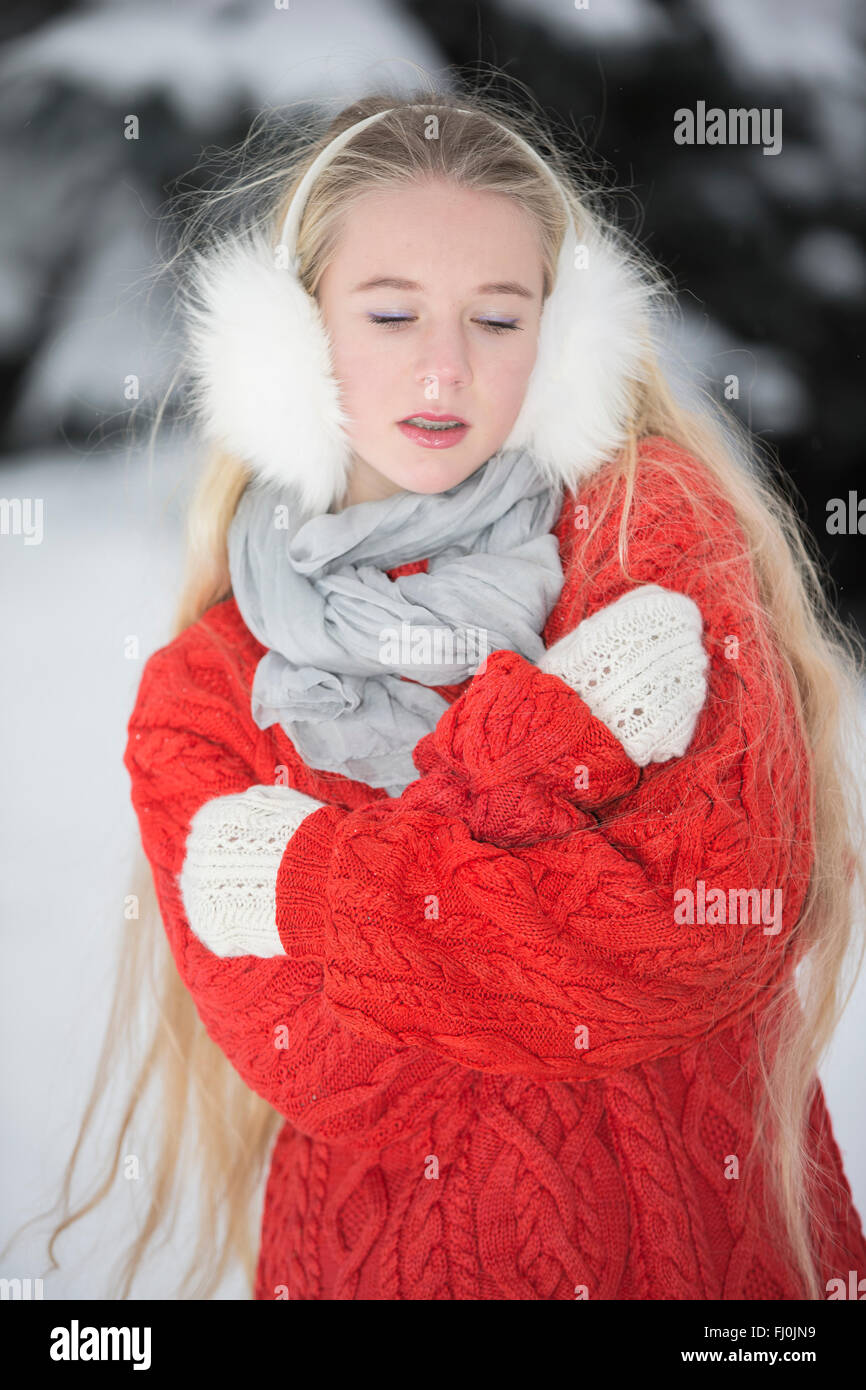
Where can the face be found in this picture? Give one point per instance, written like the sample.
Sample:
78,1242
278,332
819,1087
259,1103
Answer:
432,302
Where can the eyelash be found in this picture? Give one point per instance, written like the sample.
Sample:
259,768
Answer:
490,326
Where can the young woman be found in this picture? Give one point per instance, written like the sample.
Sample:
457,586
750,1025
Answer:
492,784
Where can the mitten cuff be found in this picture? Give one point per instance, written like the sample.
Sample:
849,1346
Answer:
301,901
640,666
233,852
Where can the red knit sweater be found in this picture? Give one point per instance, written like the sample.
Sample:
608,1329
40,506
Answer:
509,1072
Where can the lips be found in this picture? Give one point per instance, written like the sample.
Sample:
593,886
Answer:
451,430
438,419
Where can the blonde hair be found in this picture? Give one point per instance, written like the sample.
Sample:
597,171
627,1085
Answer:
203,1100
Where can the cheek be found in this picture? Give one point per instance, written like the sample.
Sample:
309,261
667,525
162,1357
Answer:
361,371
509,376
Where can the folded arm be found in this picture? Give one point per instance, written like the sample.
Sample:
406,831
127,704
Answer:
587,951
216,840
537,902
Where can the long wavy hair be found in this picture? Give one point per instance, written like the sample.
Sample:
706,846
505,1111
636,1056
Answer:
207,1116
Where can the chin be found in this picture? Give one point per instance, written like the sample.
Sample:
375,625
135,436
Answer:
436,475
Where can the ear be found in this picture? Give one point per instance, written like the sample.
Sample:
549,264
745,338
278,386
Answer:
263,384
591,340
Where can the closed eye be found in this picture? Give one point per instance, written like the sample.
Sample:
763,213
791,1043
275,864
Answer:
491,325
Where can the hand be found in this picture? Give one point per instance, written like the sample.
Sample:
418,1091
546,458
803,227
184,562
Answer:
641,666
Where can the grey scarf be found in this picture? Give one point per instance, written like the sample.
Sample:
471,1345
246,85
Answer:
313,589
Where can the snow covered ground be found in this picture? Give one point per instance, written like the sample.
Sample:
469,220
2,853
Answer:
109,566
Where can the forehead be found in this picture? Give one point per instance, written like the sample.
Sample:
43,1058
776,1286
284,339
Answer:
437,231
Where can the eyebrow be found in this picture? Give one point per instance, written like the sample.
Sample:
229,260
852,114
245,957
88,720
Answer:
392,282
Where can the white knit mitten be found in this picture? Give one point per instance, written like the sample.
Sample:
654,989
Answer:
228,881
641,666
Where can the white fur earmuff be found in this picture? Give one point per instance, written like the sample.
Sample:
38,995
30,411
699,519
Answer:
261,361
262,382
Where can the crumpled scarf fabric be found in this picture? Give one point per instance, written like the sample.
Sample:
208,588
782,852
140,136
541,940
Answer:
341,633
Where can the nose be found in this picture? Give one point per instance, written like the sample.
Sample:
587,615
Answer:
443,360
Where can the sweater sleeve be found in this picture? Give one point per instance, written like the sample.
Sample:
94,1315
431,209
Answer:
269,1017
568,914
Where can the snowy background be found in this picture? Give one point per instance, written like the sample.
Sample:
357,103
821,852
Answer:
768,254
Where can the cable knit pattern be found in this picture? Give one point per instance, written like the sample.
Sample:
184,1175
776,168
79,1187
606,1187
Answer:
506,1070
